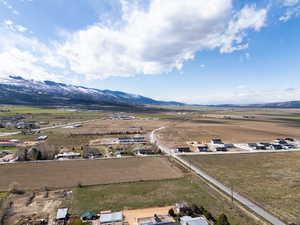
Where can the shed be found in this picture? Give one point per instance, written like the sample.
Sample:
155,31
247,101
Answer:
187,220
111,217
62,214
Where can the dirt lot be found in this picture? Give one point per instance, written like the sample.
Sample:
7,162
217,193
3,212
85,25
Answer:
272,180
34,206
230,131
131,216
61,174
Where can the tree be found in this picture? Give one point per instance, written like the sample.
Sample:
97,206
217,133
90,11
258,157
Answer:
22,155
208,216
172,213
222,220
197,210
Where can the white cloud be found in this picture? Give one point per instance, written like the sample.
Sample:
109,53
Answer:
160,39
291,10
9,6
247,18
290,2
23,56
152,40
14,27
290,13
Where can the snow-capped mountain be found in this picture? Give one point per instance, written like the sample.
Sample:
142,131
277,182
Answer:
17,90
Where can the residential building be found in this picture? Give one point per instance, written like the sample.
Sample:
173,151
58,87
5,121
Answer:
187,220
111,218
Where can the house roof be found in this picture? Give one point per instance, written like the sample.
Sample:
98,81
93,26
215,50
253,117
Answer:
194,221
61,213
111,217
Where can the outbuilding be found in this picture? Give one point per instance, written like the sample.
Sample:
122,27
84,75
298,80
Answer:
111,218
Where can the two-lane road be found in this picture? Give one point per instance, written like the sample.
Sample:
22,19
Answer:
255,208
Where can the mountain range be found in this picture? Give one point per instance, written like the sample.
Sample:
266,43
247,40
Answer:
17,90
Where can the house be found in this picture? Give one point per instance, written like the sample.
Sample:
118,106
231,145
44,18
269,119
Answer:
138,139
276,147
91,153
261,147
143,152
62,216
289,139
42,138
203,148
111,218
221,149
67,155
43,122
132,140
27,125
183,149
252,145
180,206
217,142
187,220
88,216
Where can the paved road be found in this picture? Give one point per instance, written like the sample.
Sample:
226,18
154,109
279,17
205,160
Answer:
255,208
238,152
47,128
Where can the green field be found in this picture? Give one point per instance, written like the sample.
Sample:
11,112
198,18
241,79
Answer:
152,194
295,120
3,195
272,180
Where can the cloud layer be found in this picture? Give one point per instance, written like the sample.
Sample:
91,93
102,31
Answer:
149,40
292,10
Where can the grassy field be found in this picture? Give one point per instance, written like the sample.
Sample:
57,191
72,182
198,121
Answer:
64,174
272,180
152,194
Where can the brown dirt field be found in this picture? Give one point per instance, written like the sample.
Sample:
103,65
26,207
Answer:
272,180
40,207
105,126
230,131
62,174
131,216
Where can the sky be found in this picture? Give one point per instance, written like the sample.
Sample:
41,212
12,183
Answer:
193,51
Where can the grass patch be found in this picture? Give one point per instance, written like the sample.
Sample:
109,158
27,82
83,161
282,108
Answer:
271,180
295,120
3,195
152,194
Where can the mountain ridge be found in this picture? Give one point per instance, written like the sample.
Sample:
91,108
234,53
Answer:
17,90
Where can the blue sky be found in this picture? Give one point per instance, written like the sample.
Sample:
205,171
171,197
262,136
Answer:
195,51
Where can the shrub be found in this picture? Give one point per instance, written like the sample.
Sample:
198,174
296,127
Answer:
222,220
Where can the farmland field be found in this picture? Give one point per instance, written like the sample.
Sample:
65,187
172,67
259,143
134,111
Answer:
146,194
272,180
229,130
63,174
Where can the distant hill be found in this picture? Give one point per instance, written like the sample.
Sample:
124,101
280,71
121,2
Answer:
289,104
17,90
284,105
